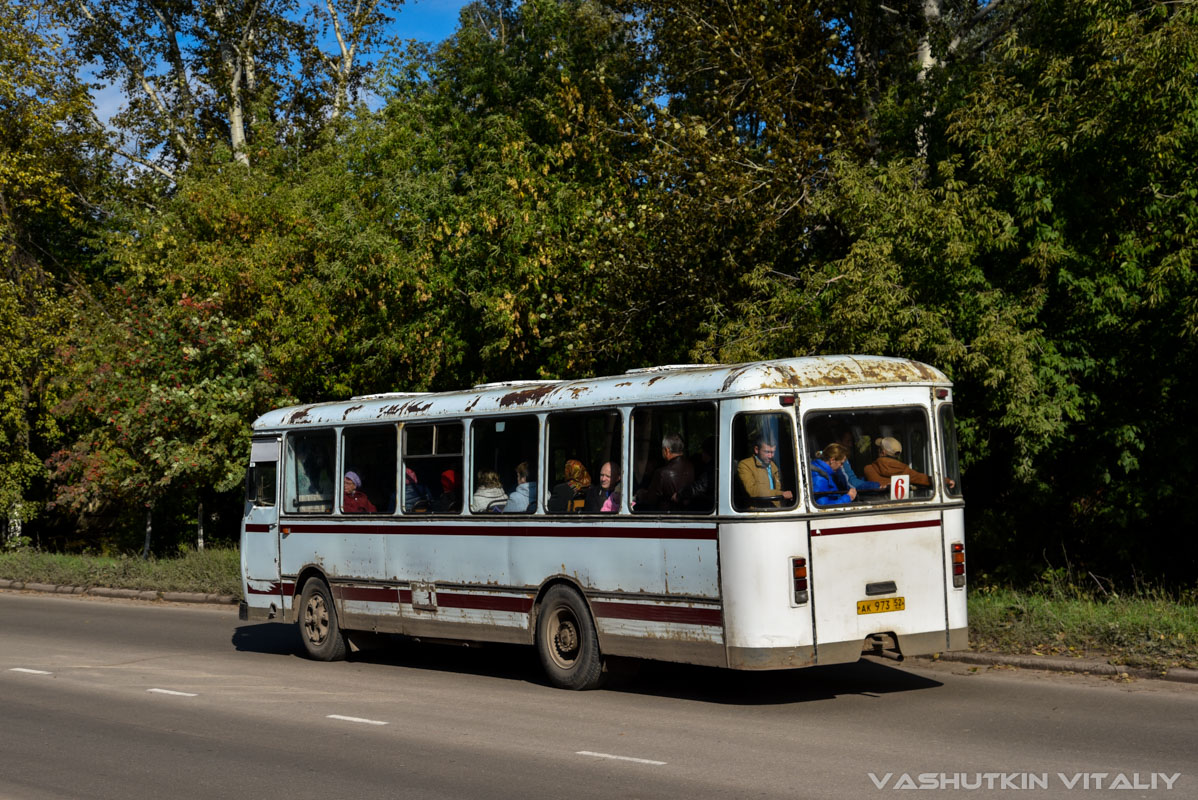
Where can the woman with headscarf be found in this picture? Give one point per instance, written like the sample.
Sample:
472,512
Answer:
355,500
576,483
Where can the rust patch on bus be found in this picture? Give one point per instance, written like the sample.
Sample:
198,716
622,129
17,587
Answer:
654,379
731,379
351,408
473,403
531,395
299,416
623,383
575,391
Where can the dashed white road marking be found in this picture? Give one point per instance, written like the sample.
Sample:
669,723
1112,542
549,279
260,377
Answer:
620,758
30,671
358,719
172,692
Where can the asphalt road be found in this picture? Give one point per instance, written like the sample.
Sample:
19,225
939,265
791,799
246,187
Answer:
119,699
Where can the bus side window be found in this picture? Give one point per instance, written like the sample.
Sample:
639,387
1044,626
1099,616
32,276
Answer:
370,454
584,446
763,462
674,466
433,456
261,483
309,472
504,453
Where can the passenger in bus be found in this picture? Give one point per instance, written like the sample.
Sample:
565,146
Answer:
524,495
887,464
488,493
760,478
845,439
572,488
700,495
605,496
828,482
355,500
669,480
416,496
448,501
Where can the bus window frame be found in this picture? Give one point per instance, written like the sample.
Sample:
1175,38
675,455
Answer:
932,456
717,409
796,451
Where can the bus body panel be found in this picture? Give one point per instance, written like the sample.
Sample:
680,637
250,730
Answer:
956,607
450,578
877,559
765,628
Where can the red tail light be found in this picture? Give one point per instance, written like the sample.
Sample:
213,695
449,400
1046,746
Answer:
958,560
798,569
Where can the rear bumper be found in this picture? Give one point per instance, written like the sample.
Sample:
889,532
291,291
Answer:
915,644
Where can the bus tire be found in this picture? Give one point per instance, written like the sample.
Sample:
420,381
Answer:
323,638
567,642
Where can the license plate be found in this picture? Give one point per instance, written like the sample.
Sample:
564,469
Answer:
881,605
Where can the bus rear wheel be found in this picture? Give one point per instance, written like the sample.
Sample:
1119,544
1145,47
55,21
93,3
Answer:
567,642
322,635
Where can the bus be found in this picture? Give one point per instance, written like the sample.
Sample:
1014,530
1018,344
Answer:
685,513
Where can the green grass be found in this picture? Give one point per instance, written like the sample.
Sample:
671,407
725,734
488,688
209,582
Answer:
210,571
1150,630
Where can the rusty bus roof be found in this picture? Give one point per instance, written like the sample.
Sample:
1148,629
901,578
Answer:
652,384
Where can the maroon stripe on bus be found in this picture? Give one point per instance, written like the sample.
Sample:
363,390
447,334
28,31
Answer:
522,605
690,616
488,602
256,528
369,594
285,588
893,526
558,531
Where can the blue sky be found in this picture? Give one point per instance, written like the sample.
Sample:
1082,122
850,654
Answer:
428,20
424,20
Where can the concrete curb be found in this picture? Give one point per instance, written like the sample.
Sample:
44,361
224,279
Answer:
127,594
1084,666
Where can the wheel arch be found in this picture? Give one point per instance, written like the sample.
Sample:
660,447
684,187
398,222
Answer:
310,572
538,602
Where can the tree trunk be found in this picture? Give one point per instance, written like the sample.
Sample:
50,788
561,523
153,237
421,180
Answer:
931,16
200,526
145,552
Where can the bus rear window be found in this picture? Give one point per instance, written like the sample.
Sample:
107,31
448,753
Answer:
860,456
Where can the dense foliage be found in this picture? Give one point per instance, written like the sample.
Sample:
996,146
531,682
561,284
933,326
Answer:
1005,189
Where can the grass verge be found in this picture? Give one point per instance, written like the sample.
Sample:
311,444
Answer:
1149,631
212,570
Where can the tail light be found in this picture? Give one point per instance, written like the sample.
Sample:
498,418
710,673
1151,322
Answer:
958,565
798,569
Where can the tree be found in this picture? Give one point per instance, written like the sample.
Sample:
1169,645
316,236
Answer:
162,391
47,178
227,75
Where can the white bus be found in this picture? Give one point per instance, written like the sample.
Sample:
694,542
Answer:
684,513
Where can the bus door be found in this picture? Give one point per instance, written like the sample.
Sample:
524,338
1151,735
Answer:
260,526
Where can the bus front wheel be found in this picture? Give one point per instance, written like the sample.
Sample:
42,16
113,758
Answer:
567,642
323,637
